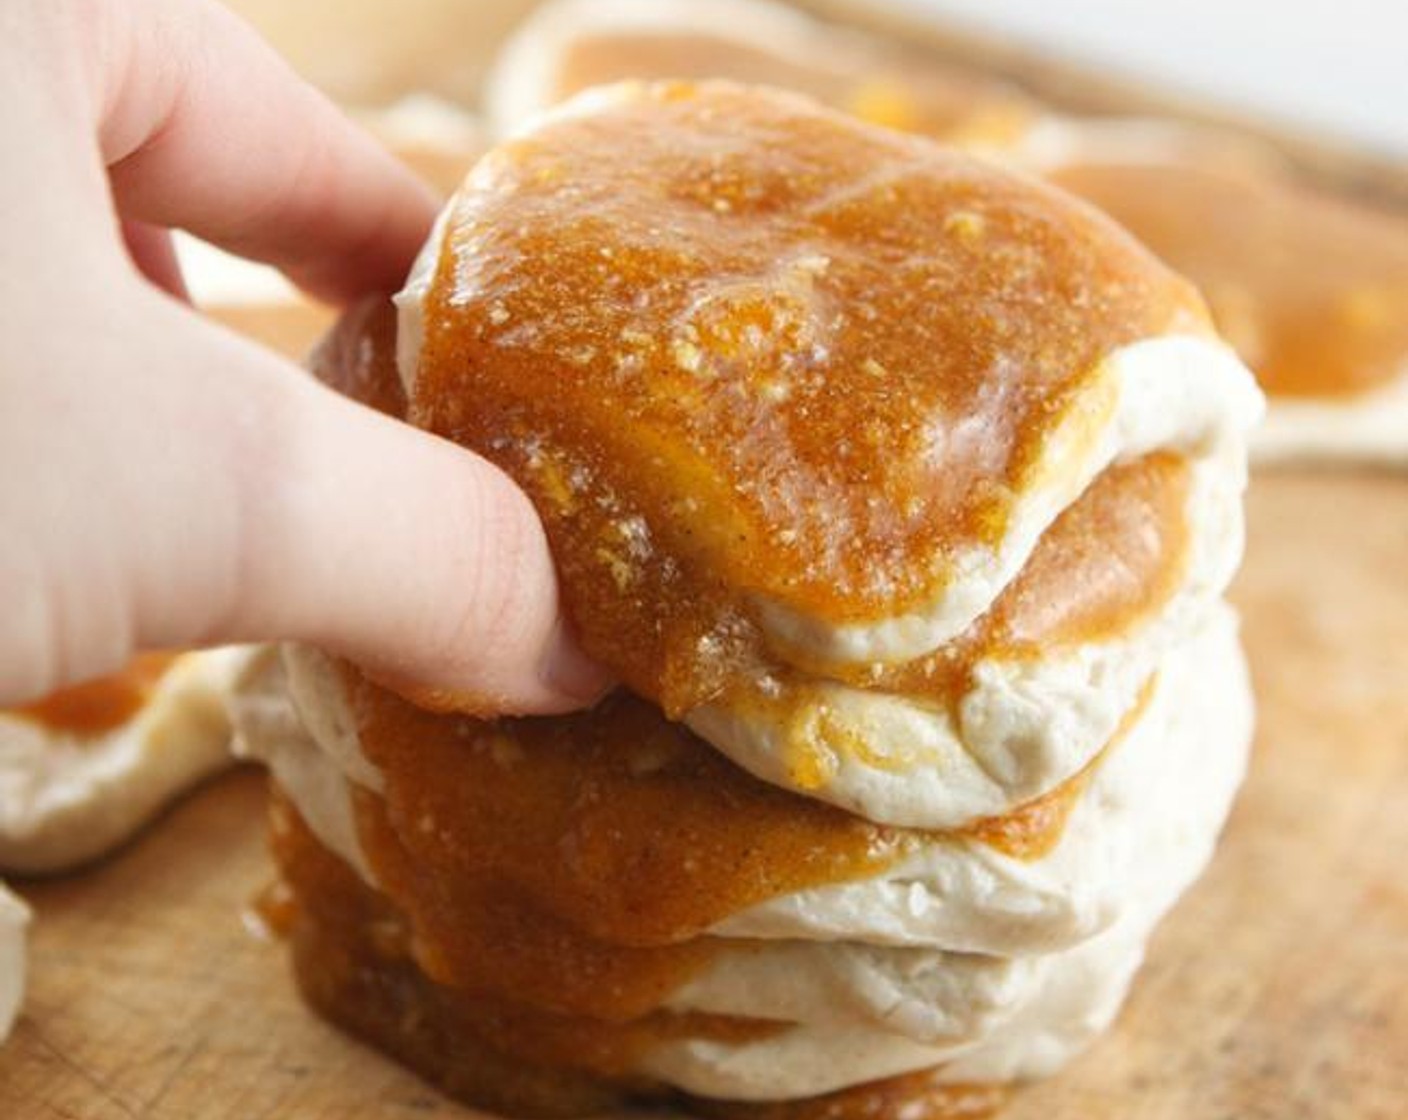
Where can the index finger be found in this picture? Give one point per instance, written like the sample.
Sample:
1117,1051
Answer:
204,127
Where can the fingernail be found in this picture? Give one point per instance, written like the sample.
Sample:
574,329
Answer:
567,671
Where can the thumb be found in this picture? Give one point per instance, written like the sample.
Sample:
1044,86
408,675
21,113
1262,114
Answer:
211,492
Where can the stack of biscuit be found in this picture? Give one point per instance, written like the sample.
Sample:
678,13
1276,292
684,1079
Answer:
900,493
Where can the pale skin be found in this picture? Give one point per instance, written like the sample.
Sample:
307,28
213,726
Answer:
164,483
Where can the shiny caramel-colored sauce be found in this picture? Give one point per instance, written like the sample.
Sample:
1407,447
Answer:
1032,830
574,862
351,956
1110,561
848,72
357,357
103,704
737,346
1113,558
1312,291
353,959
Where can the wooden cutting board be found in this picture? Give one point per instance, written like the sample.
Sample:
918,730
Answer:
1277,990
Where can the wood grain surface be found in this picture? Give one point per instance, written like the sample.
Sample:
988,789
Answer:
1277,990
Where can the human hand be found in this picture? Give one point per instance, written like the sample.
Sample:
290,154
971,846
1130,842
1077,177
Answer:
165,483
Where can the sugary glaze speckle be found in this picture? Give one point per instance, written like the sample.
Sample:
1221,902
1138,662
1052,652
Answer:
97,706
738,348
1313,292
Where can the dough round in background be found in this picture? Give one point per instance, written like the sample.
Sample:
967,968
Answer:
71,791
374,51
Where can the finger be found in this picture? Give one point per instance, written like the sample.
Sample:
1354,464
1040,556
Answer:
154,255
205,128
246,501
